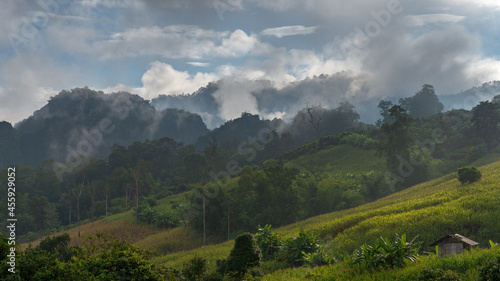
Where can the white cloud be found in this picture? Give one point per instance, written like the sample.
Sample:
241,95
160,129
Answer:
238,44
111,3
162,78
289,30
199,64
20,102
178,41
477,3
235,97
421,20
27,82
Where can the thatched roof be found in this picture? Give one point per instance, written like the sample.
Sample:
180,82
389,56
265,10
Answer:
457,238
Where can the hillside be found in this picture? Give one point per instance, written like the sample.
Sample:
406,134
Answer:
86,123
429,210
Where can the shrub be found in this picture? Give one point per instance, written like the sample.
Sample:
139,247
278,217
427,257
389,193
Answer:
438,275
295,249
195,269
244,256
318,258
468,174
57,245
387,254
106,258
269,242
491,271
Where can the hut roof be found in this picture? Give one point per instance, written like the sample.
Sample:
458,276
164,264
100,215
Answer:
457,238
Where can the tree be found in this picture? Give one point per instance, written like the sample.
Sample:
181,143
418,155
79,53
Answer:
120,178
92,189
77,192
496,99
424,103
315,123
245,255
384,107
136,172
397,137
486,120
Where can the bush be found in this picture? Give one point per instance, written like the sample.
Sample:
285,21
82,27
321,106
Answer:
491,271
318,258
468,174
106,258
438,275
57,245
195,269
387,254
296,248
269,242
244,256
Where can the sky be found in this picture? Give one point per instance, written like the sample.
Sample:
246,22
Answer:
380,48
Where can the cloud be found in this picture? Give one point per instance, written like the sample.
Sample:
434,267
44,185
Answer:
421,20
111,3
199,64
289,30
163,79
235,97
28,81
176,41
478,3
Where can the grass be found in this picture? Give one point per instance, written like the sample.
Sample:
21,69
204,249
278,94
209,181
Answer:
121,226
341,159
211,252
429,210
466,265
172,240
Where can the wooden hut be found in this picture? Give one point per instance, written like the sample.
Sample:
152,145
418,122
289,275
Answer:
453,244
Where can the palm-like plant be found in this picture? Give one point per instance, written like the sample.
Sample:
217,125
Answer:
387,254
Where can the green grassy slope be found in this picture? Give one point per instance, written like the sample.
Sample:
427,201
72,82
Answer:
341,159
466,266
430,210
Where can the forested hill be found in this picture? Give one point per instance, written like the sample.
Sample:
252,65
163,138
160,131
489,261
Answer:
82,123
88,122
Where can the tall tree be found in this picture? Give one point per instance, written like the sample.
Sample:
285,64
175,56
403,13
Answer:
397,137
486,120
424,103
384,107
136,172
315,122
77,192
92,189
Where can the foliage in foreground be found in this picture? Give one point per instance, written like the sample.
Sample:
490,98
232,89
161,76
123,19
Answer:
386,253
102,258
461,267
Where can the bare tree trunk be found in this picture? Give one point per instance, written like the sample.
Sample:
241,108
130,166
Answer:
136,174
70,206
314,124
92,192
66,198
126,197
77,196
228,221
106,192
204,222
